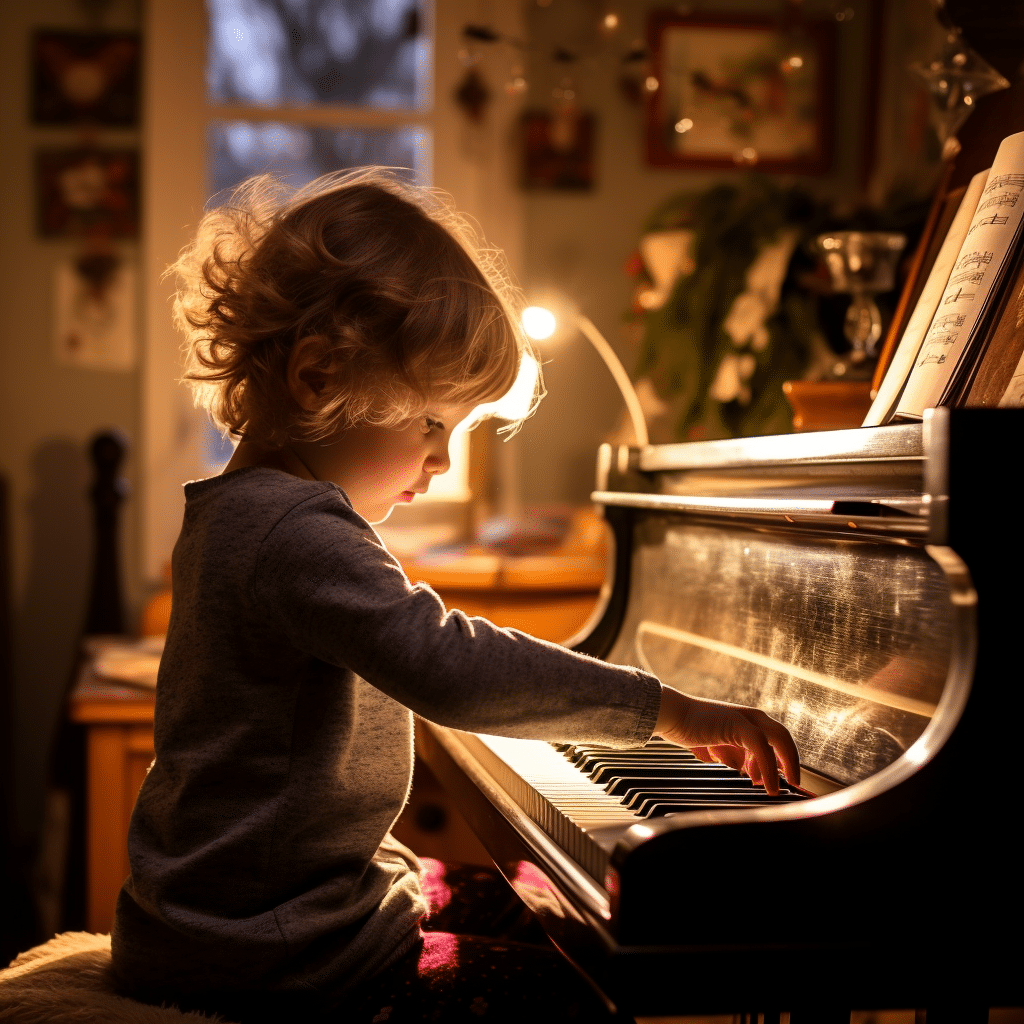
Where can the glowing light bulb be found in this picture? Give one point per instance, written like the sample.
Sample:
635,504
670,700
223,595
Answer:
538,322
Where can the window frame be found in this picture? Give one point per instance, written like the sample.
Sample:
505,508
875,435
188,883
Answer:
474,162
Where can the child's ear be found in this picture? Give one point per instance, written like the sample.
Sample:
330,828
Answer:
306,380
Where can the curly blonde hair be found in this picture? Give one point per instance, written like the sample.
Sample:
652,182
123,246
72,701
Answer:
394,289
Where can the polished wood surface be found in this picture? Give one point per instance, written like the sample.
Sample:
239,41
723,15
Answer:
548,596
118,720
829,404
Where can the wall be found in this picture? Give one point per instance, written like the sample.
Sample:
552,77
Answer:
577,243
574,246
48,415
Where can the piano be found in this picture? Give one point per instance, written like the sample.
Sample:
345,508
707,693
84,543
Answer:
863,587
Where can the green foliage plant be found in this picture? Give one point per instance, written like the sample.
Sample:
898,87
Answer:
684,341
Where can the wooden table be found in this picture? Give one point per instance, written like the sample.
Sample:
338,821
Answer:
118,720
548,596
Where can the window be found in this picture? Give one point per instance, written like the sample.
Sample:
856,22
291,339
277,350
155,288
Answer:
300,88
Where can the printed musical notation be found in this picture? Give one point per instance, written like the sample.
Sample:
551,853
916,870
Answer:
970,282
1006,199
1002,180
996,219
976,259
946,334
948,320
968,277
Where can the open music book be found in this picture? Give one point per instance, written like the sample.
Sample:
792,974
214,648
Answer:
963,344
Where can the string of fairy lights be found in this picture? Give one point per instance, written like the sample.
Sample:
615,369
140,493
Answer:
955,76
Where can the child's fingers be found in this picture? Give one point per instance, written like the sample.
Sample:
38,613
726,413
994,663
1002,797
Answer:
785,751
734,757
764,759
771,746
751,768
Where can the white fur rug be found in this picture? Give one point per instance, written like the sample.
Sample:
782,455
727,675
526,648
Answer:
69,980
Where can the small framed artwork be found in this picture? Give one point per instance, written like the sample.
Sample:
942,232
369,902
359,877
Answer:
558,149
741,93
85,76
87,192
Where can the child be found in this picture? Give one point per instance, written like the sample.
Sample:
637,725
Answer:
342,333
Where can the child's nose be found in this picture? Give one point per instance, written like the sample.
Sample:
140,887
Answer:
438,462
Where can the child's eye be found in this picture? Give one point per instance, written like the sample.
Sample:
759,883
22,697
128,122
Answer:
429,424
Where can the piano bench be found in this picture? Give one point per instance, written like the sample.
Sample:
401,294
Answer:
69,980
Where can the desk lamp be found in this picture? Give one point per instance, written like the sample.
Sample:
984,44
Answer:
540,323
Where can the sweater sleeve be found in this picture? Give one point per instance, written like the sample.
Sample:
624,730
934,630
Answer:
323,576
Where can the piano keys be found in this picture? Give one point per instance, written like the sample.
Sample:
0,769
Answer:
853,584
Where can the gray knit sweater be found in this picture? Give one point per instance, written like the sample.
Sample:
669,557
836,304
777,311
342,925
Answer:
296,654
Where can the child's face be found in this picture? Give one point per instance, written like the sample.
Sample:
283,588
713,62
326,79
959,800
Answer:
379,467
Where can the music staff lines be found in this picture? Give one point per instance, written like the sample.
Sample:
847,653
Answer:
975,259
1006,199
969,277
996,219
1003,180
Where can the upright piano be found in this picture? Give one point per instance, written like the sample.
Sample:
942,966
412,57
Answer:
863,587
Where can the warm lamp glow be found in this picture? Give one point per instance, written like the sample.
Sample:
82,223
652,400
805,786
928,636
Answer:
538,322
517,403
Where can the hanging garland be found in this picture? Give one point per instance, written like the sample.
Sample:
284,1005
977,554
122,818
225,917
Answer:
728,336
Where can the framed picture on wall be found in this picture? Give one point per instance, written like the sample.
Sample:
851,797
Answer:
85,76
558,149
87,192
741,92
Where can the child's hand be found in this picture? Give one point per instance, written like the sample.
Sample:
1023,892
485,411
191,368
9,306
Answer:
741,737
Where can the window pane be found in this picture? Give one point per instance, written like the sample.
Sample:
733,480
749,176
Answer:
358,53
239,149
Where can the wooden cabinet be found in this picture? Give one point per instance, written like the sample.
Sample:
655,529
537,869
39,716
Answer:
118,721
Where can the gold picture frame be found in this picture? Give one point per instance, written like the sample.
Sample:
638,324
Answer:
734,92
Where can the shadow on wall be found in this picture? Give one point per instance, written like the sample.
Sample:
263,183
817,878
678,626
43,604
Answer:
48,619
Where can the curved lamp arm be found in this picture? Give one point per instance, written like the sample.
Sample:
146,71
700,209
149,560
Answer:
618,371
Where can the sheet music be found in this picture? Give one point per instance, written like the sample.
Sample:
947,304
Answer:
989,239
896,376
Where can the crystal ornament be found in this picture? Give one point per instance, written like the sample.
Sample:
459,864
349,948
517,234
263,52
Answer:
861,263
957,77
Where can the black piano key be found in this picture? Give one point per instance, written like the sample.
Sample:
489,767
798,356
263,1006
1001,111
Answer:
593,763
651,805
632,794
612,775
662,778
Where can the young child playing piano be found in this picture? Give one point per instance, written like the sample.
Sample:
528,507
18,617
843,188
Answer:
341,333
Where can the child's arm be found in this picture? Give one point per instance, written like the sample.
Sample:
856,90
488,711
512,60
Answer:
741,737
